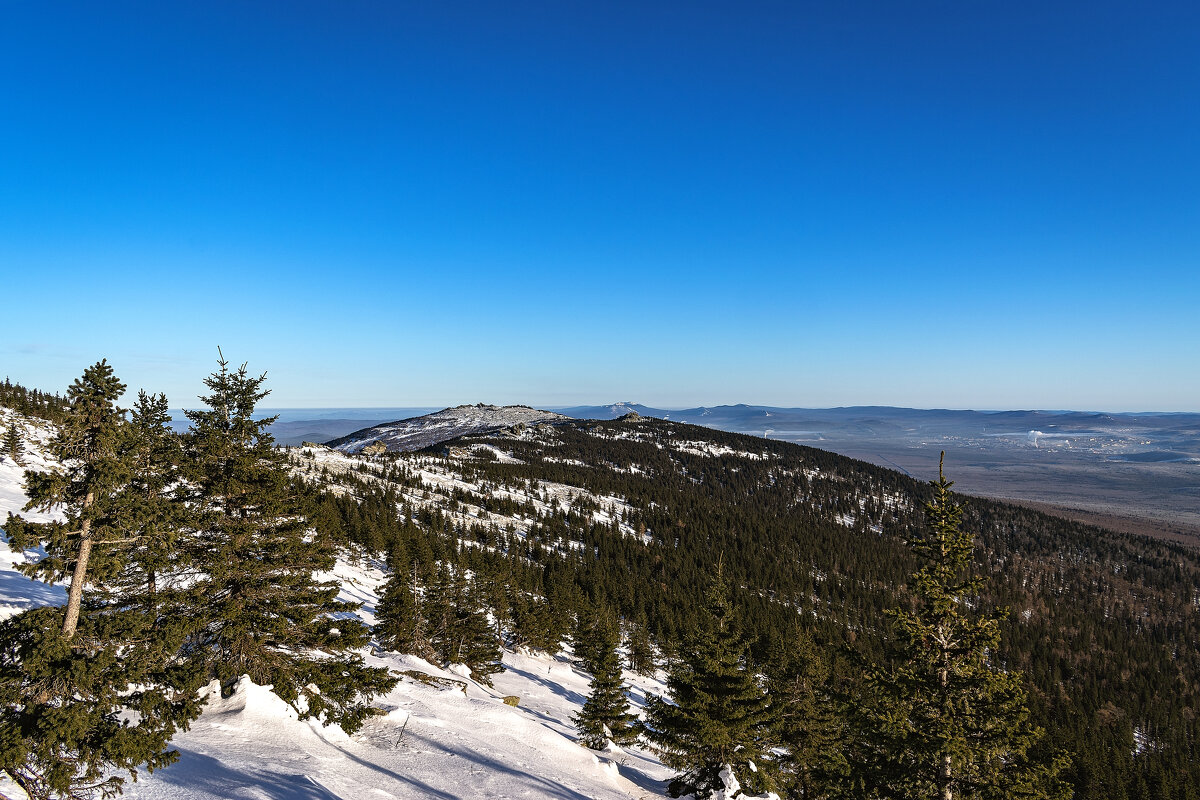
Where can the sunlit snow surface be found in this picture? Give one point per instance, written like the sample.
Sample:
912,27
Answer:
432,741
17,592
414,434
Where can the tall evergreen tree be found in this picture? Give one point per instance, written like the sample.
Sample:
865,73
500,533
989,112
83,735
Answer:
595,631
640,651
93,688
90,449
605,714
265,614
941,720
475,642
719,715
400,622
152,514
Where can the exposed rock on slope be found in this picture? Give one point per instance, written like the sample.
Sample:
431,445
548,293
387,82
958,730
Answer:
417,433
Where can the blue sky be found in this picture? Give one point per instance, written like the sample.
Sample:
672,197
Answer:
983,204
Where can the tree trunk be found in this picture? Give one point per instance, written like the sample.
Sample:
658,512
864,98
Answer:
75,596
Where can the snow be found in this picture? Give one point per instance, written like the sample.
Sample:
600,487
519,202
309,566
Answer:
714,450
433,741
441,426
448,740
18,593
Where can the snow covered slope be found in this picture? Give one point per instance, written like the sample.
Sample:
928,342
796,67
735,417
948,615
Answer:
17,592
418,432
442,736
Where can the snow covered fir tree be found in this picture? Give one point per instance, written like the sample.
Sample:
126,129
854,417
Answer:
13,443
600,608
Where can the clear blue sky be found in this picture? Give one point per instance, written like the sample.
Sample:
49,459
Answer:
953,204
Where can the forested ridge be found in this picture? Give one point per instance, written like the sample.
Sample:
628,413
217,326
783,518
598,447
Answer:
1103,625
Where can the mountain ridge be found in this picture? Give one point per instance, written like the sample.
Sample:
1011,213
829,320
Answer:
417,433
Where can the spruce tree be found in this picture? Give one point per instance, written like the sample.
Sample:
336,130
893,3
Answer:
640,652
88,447
152,512
75,711
718,716
264,613
605,714
803,718
942,719
400,623
594,632
476,644
438,604
14,444
94,688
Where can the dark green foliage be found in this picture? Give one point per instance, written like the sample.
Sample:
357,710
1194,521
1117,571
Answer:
152,517
718,713
91,447
639,650
64,727
264,613
804,719
605,714
458,627
32,402
400,622
595,632
70,678
539,625
475,643
940,720
13,444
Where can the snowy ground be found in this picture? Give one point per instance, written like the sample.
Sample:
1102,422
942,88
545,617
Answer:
449,741
435,742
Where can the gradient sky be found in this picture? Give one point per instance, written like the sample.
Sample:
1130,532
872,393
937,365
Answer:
951,204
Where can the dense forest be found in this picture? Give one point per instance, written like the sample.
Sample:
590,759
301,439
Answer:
1102,625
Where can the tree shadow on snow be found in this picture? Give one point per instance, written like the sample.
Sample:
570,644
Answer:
205,774
543,785
22,592
556,688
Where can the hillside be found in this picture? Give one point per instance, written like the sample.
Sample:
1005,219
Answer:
555,521
443,735
635,513
419,432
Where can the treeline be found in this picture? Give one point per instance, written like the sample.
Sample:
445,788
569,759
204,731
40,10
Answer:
32,402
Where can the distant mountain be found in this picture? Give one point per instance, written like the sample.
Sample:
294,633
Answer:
416,433
614,411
